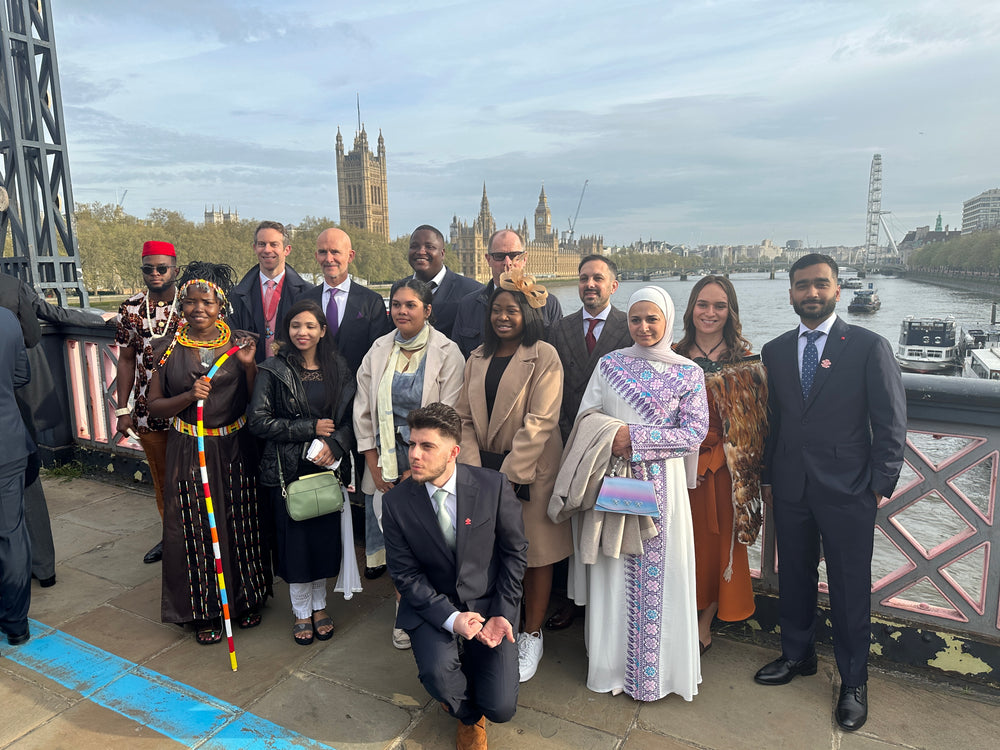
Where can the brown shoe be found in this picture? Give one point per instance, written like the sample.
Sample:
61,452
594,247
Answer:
471,737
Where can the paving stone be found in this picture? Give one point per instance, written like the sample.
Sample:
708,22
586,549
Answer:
732,712
333,714
560,687
87,726
641,740
72,539
143,600
913,714
120,560
528,730
122,633
65,495
122,513
75,592
26,703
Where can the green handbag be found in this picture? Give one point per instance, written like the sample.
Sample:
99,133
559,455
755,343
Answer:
312,495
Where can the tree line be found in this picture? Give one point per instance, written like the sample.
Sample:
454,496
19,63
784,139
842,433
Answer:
979,251
110,242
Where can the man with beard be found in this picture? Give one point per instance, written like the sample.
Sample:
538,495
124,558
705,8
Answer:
147,322
835,449
263,296
456,549
426,258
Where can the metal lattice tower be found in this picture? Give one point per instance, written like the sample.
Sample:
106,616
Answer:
874,212
34,168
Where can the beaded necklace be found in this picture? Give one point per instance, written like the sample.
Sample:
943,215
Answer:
224,333
153,335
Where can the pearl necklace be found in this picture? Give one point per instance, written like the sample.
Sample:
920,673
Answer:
153,335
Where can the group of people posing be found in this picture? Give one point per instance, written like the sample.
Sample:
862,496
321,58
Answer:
479,423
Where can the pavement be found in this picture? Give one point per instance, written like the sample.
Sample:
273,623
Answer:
101,671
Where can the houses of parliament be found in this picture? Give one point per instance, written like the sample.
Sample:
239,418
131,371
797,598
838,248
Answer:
362,187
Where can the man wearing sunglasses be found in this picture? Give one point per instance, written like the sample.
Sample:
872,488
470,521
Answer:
147,322
504,252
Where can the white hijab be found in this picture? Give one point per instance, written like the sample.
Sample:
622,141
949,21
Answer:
661,351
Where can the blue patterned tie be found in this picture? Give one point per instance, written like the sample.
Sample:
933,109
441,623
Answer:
810,358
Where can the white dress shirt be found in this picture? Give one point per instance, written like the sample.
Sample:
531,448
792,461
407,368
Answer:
451,503
601,316
344,288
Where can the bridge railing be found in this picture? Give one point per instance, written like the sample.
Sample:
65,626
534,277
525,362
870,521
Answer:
937,540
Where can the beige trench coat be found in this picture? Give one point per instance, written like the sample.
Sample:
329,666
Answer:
525,422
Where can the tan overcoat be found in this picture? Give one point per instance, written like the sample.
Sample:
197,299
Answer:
525,422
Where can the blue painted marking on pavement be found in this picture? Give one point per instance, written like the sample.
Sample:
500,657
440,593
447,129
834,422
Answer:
175,710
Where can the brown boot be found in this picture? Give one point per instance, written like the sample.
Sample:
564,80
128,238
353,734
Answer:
471,737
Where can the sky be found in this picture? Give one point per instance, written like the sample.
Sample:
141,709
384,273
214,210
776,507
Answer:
694,122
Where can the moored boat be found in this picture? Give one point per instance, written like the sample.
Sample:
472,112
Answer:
931,345
865,301
985,363
852,283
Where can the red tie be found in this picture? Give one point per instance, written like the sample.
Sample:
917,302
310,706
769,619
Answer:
270,311
590,338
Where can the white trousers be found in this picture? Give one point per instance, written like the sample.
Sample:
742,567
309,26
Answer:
307,598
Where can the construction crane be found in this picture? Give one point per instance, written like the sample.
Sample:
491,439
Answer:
572,222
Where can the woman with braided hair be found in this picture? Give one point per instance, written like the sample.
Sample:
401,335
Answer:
190,589
725,505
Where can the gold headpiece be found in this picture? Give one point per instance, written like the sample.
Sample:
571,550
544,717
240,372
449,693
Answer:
516,280
221,295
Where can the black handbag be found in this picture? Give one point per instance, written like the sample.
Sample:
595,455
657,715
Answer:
494,461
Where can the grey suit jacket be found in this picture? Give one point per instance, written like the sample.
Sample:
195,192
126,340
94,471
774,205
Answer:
847,437
567,337
484,572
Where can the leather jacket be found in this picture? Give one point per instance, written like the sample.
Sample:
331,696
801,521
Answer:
279,415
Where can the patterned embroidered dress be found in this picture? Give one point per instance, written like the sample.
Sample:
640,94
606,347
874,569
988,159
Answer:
642,627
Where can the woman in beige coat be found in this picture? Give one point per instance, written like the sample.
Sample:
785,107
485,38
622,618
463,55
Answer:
412,366
509,406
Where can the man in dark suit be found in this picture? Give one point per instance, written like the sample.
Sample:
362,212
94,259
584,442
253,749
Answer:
504,252
15,553
262,297
426,258
837,430
457,553
355,314
581,339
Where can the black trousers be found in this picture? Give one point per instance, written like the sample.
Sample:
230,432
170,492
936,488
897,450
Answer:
15,550
470,678
846,527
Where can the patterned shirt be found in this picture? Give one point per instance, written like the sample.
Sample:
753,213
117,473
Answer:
133,332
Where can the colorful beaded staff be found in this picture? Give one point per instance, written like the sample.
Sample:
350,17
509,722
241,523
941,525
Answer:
216,550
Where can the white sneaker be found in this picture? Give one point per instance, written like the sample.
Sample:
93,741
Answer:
529,653
400,639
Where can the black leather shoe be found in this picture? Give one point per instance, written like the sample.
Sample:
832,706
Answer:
372,573
782,670
17,640
852,708
47,582
154,555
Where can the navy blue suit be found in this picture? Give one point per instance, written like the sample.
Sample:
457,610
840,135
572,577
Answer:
482,575
365,319
471,318
826,458
248,304
453,289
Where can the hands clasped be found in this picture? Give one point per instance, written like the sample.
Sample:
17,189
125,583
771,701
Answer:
490,632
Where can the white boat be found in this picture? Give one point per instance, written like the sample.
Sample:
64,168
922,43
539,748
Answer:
931,345
985,363
852,283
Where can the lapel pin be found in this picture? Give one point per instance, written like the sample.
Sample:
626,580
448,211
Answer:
825,364
468,522
843,338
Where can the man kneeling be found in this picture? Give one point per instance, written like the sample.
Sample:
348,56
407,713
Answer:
456,551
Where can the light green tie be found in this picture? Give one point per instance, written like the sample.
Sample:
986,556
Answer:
444,518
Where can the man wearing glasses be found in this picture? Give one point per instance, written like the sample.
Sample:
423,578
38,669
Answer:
504,252
147,322
268,290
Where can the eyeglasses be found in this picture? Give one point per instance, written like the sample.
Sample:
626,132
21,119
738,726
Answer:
498,257
161,269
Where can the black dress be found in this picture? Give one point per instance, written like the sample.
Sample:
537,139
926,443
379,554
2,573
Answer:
311,549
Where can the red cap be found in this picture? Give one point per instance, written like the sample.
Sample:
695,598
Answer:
154,247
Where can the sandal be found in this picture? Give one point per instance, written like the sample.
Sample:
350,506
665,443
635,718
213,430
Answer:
323,622
302,627
208,632
249,620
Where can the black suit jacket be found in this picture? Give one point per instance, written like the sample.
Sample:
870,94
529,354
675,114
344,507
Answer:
248,304
365,319
848,436
567,336
470,318
484,572
19,298
454,287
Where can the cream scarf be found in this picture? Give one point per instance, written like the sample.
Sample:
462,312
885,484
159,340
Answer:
383,402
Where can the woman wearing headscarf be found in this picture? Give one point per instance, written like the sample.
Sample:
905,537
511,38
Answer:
642,618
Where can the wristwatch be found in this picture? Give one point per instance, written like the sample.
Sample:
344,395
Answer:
123,411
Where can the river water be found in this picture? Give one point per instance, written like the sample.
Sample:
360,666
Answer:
766,313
